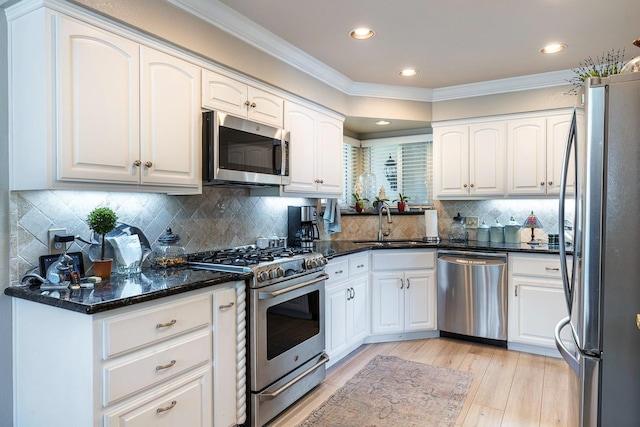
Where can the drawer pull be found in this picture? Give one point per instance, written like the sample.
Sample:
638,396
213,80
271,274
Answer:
167,366
223,306
168,408
552,268
166,325
361,265
339,272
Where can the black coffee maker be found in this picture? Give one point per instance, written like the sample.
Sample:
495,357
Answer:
302,226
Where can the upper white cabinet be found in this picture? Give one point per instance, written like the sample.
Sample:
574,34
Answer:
315,152
518,155
104,111
470,160
223,93
536,153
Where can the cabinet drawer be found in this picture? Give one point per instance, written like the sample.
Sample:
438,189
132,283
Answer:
141,328
184,404
140,372
403,259
546,266
337,270
359,265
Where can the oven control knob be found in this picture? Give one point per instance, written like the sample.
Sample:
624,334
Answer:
273,274
279,272
262,276
311,264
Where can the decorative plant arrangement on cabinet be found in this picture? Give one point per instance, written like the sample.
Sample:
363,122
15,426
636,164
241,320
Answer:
102,220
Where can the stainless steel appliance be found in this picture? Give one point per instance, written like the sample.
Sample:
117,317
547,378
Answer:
602,292
285,323
302,226
472,296
239,151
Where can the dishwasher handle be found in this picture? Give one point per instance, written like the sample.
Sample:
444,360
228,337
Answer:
473,260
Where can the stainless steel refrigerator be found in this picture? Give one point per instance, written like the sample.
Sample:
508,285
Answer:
602,274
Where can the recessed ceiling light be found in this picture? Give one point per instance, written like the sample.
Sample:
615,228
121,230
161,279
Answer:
382,122
408,72
362,33
553,48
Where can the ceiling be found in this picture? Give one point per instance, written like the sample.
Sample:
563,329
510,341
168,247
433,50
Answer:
451,43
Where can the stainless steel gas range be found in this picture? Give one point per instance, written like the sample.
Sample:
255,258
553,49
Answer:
285,323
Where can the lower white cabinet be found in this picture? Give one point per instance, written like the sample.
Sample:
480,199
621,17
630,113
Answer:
403,291
346,305
536,302
171,361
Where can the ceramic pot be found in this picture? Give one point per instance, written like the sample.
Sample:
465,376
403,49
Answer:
102,268
402,206
358,207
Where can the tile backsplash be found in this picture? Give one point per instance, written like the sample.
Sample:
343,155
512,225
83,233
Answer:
220,217
224,217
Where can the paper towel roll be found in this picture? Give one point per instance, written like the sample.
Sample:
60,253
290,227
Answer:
431,223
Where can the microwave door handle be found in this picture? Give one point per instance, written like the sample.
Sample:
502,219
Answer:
285,154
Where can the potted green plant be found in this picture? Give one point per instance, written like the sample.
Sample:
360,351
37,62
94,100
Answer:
359,202
402,202
102,220
380,200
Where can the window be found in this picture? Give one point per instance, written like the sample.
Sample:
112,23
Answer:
351,167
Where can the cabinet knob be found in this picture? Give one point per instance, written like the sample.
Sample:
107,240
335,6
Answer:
253,105
247,103
471,186
137,163
541,182
550,183
148,164
465,186
322,181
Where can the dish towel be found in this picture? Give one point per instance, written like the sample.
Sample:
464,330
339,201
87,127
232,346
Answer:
332,217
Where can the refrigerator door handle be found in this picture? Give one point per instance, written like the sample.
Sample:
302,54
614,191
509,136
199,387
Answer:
571,360
568,282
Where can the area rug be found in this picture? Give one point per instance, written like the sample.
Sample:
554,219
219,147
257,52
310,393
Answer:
390,391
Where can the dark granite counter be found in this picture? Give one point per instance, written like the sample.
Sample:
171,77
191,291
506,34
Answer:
335,248
122,292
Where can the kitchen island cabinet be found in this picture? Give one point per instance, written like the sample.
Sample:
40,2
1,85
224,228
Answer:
403,293
172,361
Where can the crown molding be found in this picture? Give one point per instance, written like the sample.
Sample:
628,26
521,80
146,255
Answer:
232,22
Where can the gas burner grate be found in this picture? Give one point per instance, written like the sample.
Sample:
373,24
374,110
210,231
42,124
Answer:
245,255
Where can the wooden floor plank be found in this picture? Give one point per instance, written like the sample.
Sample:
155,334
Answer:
509,388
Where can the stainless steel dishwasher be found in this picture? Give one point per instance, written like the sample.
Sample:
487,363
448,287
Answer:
472,296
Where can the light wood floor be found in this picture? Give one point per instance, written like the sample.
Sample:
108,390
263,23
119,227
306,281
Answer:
509,388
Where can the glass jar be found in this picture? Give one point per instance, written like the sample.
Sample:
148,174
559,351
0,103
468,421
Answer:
457,232
168,253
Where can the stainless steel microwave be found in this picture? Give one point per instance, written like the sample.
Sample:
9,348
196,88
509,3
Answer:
240,151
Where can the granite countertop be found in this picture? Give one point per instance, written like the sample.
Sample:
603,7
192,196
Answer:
121,292
335,248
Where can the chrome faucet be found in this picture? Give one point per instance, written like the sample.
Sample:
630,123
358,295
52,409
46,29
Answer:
382,234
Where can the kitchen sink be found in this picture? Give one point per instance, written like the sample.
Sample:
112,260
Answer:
392,243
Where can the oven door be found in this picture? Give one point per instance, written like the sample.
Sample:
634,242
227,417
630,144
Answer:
287,327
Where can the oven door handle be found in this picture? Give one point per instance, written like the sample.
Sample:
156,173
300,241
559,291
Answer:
267,295
324,358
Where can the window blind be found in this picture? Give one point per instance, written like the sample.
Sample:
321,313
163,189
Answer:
351,169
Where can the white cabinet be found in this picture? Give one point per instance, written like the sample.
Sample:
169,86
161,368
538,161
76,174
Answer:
172,361
103,110
403,291
536,302
469,160
315,152
535,155
226,94
346,305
